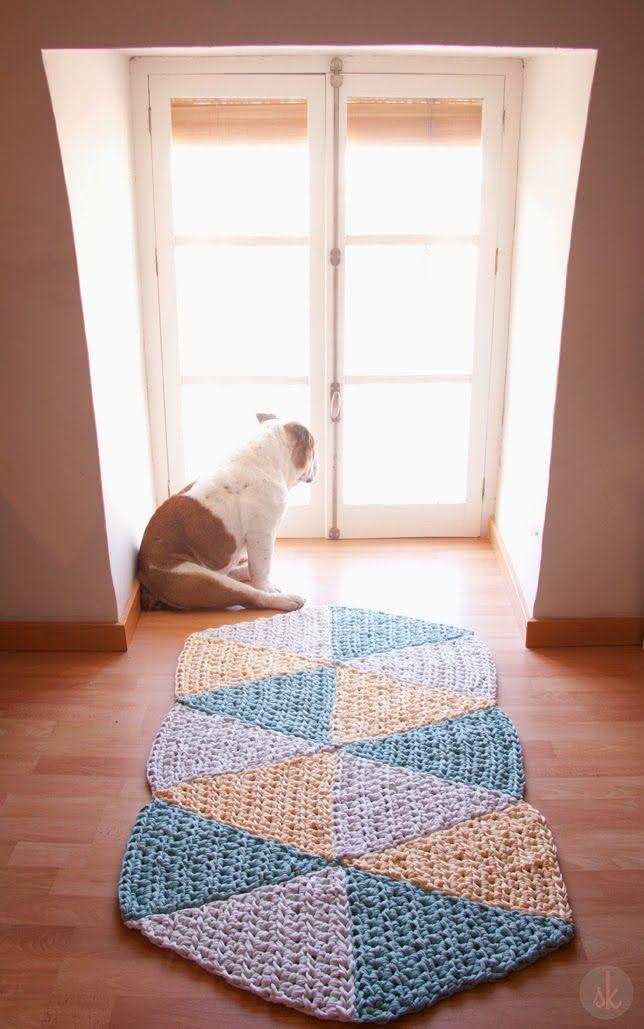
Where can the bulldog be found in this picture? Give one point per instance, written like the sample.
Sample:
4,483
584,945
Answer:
211,545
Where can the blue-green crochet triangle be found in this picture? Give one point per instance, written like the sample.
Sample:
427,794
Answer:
357,632
300,703
176,859
480,749
412,947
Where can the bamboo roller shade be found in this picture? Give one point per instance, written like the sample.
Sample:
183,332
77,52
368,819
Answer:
375,122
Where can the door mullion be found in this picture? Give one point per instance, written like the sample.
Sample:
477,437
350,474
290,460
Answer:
406,380
245,380
335,256
245,241
406,239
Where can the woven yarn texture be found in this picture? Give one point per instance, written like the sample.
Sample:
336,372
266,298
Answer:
338,819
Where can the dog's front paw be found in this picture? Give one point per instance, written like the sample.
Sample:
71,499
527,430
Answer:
287,602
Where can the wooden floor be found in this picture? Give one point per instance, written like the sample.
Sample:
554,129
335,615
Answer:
76,730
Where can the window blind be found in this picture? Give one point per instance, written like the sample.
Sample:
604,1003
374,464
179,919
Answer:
403,122
238,121
375,122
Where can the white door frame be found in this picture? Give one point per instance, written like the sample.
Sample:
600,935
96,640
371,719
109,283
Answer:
374,61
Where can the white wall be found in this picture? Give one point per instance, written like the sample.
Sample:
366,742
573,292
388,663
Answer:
556,91
90,94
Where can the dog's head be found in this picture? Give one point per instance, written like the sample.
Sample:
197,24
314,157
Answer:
301,444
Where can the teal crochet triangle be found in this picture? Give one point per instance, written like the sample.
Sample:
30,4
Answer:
481,749
300,703
413,947
357,632
176,859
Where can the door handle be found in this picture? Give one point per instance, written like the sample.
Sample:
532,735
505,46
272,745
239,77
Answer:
336,402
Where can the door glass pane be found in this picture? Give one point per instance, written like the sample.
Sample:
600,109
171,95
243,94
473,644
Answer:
413,166
410,308
219,418
240,167
413,170
243,309
406,444
240,174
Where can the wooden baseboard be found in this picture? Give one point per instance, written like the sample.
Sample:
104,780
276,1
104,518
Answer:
584,632
516,594
132,612
76,636
564,632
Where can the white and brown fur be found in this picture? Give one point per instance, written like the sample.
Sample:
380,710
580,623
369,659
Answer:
211,545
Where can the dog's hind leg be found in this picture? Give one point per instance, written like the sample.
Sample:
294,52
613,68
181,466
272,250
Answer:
240,572
191,587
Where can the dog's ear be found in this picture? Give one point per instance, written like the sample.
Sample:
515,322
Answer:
303,443
264,417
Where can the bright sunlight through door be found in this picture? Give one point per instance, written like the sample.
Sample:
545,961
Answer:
249,194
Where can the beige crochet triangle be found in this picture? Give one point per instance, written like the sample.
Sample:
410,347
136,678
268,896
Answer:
289,802
210,663
506,859
369,704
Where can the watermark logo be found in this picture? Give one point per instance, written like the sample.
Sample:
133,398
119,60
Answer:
606,992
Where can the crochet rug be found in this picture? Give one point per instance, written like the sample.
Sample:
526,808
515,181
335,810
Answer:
338,822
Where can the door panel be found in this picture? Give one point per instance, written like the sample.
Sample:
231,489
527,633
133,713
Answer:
255,298
411,183
418,195
239,211
240,165
410,308
406,443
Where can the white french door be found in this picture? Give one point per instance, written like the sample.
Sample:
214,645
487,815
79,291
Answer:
325,249
238,166
418,213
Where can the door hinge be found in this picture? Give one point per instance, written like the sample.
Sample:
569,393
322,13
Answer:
335,256
483,490
496,260
150,120
156,262
503,120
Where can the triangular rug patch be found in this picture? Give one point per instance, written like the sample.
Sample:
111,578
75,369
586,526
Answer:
481,749
368,704
300,703
209,663
175,859
411,948
289,943
306,632
376,805
191,743
357,632
507,859
289,802
463,665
